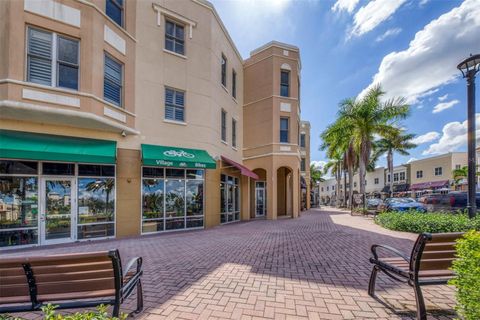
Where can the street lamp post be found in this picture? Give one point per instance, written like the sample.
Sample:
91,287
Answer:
469,68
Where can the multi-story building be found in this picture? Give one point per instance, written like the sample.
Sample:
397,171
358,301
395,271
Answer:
436,172
306,185
401,178
327,190
121,118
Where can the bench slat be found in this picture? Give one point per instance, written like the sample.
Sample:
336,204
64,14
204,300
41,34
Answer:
75,286
445,237
81,275
439,254
66,268
441,246
14,290
435,264
22,279
11,271
76,295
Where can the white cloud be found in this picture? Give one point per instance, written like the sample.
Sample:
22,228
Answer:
443,98
444,106
319,164
432,56
345,5
427,137
454,136
374,13
423,2
389,33
411,159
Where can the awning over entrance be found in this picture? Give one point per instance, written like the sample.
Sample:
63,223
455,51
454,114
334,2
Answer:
37,146
430,185
163,156
243,170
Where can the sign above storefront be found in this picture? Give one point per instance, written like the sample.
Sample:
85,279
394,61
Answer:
163,156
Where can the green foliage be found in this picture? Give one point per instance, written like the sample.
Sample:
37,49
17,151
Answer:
418,222
50,314
467,280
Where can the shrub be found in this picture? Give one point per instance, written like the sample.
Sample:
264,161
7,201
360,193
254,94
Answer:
417,222
467,280
50,314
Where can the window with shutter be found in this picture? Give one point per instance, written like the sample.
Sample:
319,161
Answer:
39,57
284,130
234,133
174,105
45,67
224,126
114,9
112,81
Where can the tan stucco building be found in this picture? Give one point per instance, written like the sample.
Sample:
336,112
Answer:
436,172
305,181
120,119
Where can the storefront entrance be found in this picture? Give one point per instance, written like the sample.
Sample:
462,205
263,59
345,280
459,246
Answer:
57,210
260,199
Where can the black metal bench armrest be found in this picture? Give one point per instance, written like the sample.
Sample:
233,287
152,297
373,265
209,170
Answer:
138,261
388,248
131,277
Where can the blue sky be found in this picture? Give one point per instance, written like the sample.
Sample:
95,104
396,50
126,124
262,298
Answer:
411,47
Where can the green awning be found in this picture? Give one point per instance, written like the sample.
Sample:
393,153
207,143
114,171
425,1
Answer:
163,156
37,146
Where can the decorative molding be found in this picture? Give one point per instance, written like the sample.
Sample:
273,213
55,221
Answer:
286,66
285,107
166,12
114,114
65,91
113,39
273,154
285,148
54,112
285,53
50,98
54,10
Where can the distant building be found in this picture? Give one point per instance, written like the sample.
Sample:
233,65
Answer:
435,173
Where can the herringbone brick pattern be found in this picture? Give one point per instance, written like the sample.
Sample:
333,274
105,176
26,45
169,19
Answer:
314,267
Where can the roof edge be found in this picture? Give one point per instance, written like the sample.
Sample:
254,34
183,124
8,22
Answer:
274,43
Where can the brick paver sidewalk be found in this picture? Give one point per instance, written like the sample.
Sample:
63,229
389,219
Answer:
312,267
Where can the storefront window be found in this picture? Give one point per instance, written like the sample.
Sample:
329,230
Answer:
96,202
18,210
174,201
229,199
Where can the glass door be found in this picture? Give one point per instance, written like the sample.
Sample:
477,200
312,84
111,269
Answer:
57,217
260,199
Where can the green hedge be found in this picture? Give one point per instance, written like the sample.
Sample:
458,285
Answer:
467,280
418,222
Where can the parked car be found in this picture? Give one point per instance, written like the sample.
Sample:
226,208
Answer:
402,204
373,203
453,201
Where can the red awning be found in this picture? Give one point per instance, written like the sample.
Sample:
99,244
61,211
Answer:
429,185
243,170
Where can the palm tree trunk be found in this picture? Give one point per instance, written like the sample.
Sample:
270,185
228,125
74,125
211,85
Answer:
350,186
338,175
390,170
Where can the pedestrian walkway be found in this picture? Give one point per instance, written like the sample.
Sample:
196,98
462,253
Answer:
313,267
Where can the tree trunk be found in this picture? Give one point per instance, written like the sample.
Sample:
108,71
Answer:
345,172
390,170
350,186
338,176
362,167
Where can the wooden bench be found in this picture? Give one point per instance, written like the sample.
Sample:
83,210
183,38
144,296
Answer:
429,264
69,281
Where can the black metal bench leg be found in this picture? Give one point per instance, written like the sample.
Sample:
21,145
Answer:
421,310
373,278
139,297
116,309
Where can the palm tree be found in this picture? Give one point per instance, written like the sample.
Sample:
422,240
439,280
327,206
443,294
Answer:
391,143
103,185
335,168
367,117
315,174
460,174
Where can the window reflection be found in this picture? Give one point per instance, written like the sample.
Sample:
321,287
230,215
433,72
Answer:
18,209
175,198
